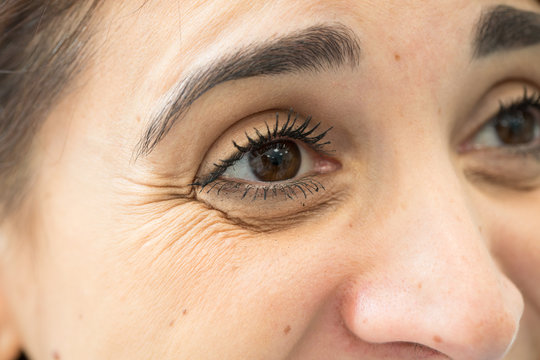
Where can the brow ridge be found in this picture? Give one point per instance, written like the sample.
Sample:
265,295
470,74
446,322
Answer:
503,28
314,49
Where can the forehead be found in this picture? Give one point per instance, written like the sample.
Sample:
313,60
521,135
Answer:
156,34
149,45
191,27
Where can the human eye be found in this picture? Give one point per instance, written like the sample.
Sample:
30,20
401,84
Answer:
282,157
507,146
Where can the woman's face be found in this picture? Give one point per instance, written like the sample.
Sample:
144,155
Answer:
408,230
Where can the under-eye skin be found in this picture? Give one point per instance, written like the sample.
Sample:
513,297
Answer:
281,161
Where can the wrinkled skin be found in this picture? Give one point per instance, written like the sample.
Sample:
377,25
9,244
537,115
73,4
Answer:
412,251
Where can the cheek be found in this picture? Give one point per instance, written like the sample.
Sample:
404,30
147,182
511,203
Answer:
517,244
198,279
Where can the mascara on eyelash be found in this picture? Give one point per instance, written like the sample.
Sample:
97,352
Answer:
288,130
294,190
523,101
518,105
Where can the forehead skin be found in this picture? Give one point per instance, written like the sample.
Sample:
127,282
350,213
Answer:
117,264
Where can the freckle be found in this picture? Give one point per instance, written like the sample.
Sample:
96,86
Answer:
171,324
437,339
397,57
419,285
287,330
56,355
439,111
350,225
138,119
184,312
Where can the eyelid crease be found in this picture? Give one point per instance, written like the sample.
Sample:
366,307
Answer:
479,175
323,47
286,131
271,225
524,100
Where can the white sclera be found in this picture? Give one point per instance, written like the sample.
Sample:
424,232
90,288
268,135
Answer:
487,137
242,171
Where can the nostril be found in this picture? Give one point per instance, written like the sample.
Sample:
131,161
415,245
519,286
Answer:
403,350
424,352
472,320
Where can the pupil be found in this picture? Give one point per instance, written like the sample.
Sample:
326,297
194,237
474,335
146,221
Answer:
276,161
516,128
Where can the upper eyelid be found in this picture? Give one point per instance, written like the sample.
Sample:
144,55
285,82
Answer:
287,130
485,108
525,99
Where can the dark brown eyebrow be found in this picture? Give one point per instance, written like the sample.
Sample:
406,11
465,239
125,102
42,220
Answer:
314,49
504,28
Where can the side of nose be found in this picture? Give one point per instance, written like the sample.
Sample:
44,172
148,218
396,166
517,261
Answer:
435,282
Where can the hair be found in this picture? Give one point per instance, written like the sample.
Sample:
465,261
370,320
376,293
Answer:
42,45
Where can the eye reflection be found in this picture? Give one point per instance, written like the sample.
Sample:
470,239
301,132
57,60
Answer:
273,162
514,126
518,127
276,161
280,161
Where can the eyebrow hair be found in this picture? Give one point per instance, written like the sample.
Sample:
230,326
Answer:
504,28
314,49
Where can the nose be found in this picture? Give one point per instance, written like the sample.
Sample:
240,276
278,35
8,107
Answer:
434,282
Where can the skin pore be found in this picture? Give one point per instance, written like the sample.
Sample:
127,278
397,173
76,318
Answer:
418,236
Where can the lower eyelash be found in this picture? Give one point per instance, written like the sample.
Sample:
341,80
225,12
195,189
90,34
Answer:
527,153
301,188
289,130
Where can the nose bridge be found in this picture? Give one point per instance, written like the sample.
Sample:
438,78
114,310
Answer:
436,283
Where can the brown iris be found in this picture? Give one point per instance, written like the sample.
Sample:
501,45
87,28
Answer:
276,161
517,127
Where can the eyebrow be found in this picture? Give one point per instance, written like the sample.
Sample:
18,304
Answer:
314,49
504,28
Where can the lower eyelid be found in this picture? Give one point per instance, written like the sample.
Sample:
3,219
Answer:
300,188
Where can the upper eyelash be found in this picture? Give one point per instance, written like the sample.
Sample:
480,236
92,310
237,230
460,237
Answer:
524,100
288,130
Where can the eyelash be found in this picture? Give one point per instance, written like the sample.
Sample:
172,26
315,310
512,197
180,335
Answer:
521,104
288,131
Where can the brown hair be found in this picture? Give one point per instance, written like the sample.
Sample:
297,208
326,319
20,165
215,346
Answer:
41,47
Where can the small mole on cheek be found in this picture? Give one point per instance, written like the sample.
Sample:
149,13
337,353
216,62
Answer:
420,285
56,355
171,324
184,312
437,339
287,330
397,57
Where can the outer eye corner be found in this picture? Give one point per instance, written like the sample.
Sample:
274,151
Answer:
275,159
515,125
